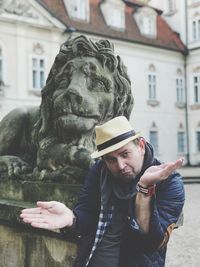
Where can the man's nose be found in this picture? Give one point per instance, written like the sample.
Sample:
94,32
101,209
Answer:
121,164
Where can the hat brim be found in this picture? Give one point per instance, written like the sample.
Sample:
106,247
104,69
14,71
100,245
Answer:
97,154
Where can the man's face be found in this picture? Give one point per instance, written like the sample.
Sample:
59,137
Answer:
126,162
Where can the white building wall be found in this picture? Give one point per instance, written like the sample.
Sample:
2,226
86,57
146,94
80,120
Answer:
18,40
186,12
18,37
166,116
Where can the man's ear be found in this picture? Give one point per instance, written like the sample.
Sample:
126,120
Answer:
142,143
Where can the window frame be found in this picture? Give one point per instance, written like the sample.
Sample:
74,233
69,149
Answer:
2,68
154,144
38,69
180,90
78,9
181,142
196,89
197,135
195,29
152,86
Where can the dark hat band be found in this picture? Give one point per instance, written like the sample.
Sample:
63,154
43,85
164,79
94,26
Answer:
115,140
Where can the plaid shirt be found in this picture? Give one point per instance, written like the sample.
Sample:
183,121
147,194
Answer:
104,221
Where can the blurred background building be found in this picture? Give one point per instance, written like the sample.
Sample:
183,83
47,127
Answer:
158,40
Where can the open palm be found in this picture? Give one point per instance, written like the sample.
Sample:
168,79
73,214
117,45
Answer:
157,173
48,215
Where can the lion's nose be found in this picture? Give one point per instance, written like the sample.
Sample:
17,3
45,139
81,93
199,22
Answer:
75,95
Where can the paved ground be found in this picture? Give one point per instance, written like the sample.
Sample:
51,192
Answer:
184,245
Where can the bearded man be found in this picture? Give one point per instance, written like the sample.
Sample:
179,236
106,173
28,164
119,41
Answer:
128,207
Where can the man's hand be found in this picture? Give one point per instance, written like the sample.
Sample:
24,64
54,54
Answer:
157,173
48,215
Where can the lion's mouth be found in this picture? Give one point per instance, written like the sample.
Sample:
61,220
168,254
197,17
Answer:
70,115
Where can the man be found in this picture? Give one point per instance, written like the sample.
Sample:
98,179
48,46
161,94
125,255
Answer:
128,207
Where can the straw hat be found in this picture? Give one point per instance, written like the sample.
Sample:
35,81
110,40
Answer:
112,135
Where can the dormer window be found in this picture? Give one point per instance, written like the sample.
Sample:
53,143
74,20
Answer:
146,19
171,6
114,13
78,9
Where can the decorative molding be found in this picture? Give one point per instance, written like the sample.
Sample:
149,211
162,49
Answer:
153,103
152,68
17,7
196,70
154,125
38,49
180,105
179,72
195,106
181,126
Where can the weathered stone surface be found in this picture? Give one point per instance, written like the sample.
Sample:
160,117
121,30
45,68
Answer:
19,248
32,191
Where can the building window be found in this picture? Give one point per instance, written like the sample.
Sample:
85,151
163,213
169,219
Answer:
148,26
146,19
198,140
114,13
1,73
153,139
152,86
181,142
117,18
196,89
180,95
196,29
38,73
78,9
171,6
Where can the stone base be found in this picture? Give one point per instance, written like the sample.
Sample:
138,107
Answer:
20,247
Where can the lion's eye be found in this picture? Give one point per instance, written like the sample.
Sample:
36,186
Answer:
98,85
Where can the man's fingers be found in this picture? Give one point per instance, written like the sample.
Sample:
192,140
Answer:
31,211
31,220
179,163
32,215
45,204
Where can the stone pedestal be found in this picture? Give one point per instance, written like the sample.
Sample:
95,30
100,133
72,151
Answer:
22,245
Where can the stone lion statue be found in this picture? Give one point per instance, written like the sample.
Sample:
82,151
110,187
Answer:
87,85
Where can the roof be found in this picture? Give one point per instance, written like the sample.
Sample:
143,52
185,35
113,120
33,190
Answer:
166,37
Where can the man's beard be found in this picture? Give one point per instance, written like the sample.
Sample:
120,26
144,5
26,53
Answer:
125,178
124,187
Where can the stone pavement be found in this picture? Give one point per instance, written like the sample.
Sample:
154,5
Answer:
184,247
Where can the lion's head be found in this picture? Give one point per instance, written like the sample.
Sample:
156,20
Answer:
87,85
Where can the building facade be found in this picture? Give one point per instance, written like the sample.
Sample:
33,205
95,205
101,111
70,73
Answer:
165,78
